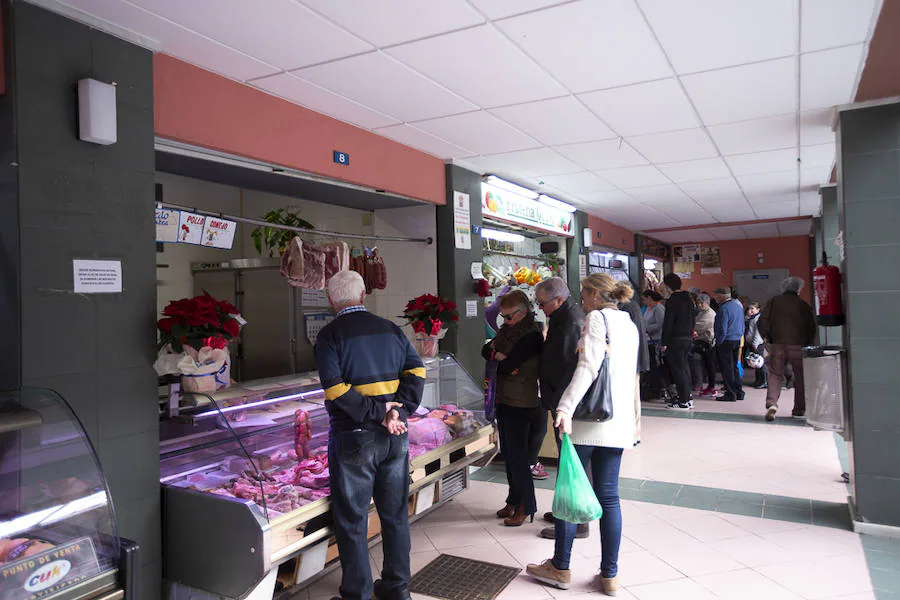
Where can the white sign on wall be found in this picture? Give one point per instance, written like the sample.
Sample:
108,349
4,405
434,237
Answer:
314,324
462,223
167,225
313,298
190,228
218,233
97,276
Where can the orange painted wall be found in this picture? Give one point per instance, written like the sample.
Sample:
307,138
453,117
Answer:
198,107
790,253
609,234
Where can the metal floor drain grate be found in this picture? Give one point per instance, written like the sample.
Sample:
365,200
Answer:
456,578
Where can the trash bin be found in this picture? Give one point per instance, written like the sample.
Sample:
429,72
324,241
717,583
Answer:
823,383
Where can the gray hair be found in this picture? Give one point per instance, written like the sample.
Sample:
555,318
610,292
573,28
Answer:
694,290
703,299
554,287
792,284
346,287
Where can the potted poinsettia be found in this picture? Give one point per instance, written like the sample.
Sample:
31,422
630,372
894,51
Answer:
429,316
193,341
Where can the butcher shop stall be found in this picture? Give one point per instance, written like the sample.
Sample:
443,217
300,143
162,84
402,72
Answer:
243,254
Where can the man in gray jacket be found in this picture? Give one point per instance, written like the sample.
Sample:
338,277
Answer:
788,324
559,356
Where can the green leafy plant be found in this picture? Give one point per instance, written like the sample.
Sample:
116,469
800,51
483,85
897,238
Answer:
276,240
552,262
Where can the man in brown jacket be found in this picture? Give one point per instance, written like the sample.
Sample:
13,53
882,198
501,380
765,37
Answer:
788,324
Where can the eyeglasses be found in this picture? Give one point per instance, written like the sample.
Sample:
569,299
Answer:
545,303
511,315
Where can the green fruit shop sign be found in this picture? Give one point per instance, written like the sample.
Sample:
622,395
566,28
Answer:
507,206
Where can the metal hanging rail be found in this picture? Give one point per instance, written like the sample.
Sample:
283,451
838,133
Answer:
261,223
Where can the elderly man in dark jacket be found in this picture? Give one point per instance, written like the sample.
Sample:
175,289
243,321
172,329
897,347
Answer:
634,311
788,324
560,354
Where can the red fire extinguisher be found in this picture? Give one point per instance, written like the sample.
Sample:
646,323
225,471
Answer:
827,283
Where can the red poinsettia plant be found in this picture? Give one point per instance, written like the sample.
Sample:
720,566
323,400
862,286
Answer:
197,322
428,314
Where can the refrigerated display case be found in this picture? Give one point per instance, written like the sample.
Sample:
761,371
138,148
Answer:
244,474
58,533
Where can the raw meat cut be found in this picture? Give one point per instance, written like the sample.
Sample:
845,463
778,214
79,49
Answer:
292,262
337,258
428,431
313,268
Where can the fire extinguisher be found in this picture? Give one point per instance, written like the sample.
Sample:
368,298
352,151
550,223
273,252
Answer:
827,283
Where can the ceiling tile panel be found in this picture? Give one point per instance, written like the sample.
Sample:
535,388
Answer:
175,40
686,236
777,210
756,136
699,35
730,212
724,189
729,233
763,162
769,183
651,107
814,177
634,177
810,203
389,22
662,195
415,138
498,9
301,92
606,154
747,92
820,155
401,92
674,146
607,199
557,121
508,77
579,183
761,230
533,163
695,170
478,131
577,41
832,23
827,78
287,34
815,127
795,227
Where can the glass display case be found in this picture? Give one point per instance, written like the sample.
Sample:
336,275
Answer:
58,531
245,470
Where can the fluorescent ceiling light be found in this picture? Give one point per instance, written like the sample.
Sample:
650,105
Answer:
650,263
545,199
509,186
501,236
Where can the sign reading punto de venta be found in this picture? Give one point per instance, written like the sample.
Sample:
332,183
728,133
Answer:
507,206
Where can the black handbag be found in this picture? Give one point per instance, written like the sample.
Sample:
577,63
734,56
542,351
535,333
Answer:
597,405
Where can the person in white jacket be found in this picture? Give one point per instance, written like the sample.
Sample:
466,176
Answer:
599,445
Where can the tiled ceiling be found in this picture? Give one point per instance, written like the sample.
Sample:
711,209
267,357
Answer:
648,113
765,229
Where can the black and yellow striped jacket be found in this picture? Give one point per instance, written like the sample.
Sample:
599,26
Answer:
365,361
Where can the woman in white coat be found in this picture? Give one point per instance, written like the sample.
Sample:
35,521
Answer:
599,445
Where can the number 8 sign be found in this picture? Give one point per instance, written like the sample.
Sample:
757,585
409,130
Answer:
341,158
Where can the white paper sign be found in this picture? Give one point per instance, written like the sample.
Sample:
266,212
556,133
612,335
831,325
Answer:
462,223
218,233
710,270
97,276
167,225
477,270
582,266
314,324
190,228
313,298
471,308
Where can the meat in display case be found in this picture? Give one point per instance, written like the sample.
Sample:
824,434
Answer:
58,532
245,476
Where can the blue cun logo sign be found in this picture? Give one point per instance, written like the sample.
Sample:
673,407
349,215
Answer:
48,575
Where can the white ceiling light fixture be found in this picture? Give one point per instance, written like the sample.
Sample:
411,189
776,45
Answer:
501,236
509,186
549,201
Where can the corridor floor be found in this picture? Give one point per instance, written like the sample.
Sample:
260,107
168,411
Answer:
716,504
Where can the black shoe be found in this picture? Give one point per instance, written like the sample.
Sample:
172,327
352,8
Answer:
759,386
741,397
726,398
389,595
583,531
548,517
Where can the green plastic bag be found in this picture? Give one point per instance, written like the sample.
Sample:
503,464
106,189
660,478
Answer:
574,499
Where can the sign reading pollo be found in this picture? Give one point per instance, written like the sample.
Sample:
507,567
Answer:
507,206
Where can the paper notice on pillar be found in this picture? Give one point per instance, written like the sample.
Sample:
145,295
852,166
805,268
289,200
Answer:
167,225
97,276
462,223
218,233
471,308
190,228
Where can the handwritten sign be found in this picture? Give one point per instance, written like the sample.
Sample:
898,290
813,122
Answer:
218,233
167,225
97,276
190,228
47,573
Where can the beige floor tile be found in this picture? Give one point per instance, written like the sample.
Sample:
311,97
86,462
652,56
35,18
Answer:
699,559
419,560
638,568
818,580
758,526
753,551
817,542
679,589
708,527
491,552
746,584
658,537
444,537
524,587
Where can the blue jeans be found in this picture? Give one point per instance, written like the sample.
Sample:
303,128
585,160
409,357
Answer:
604,463
370,463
